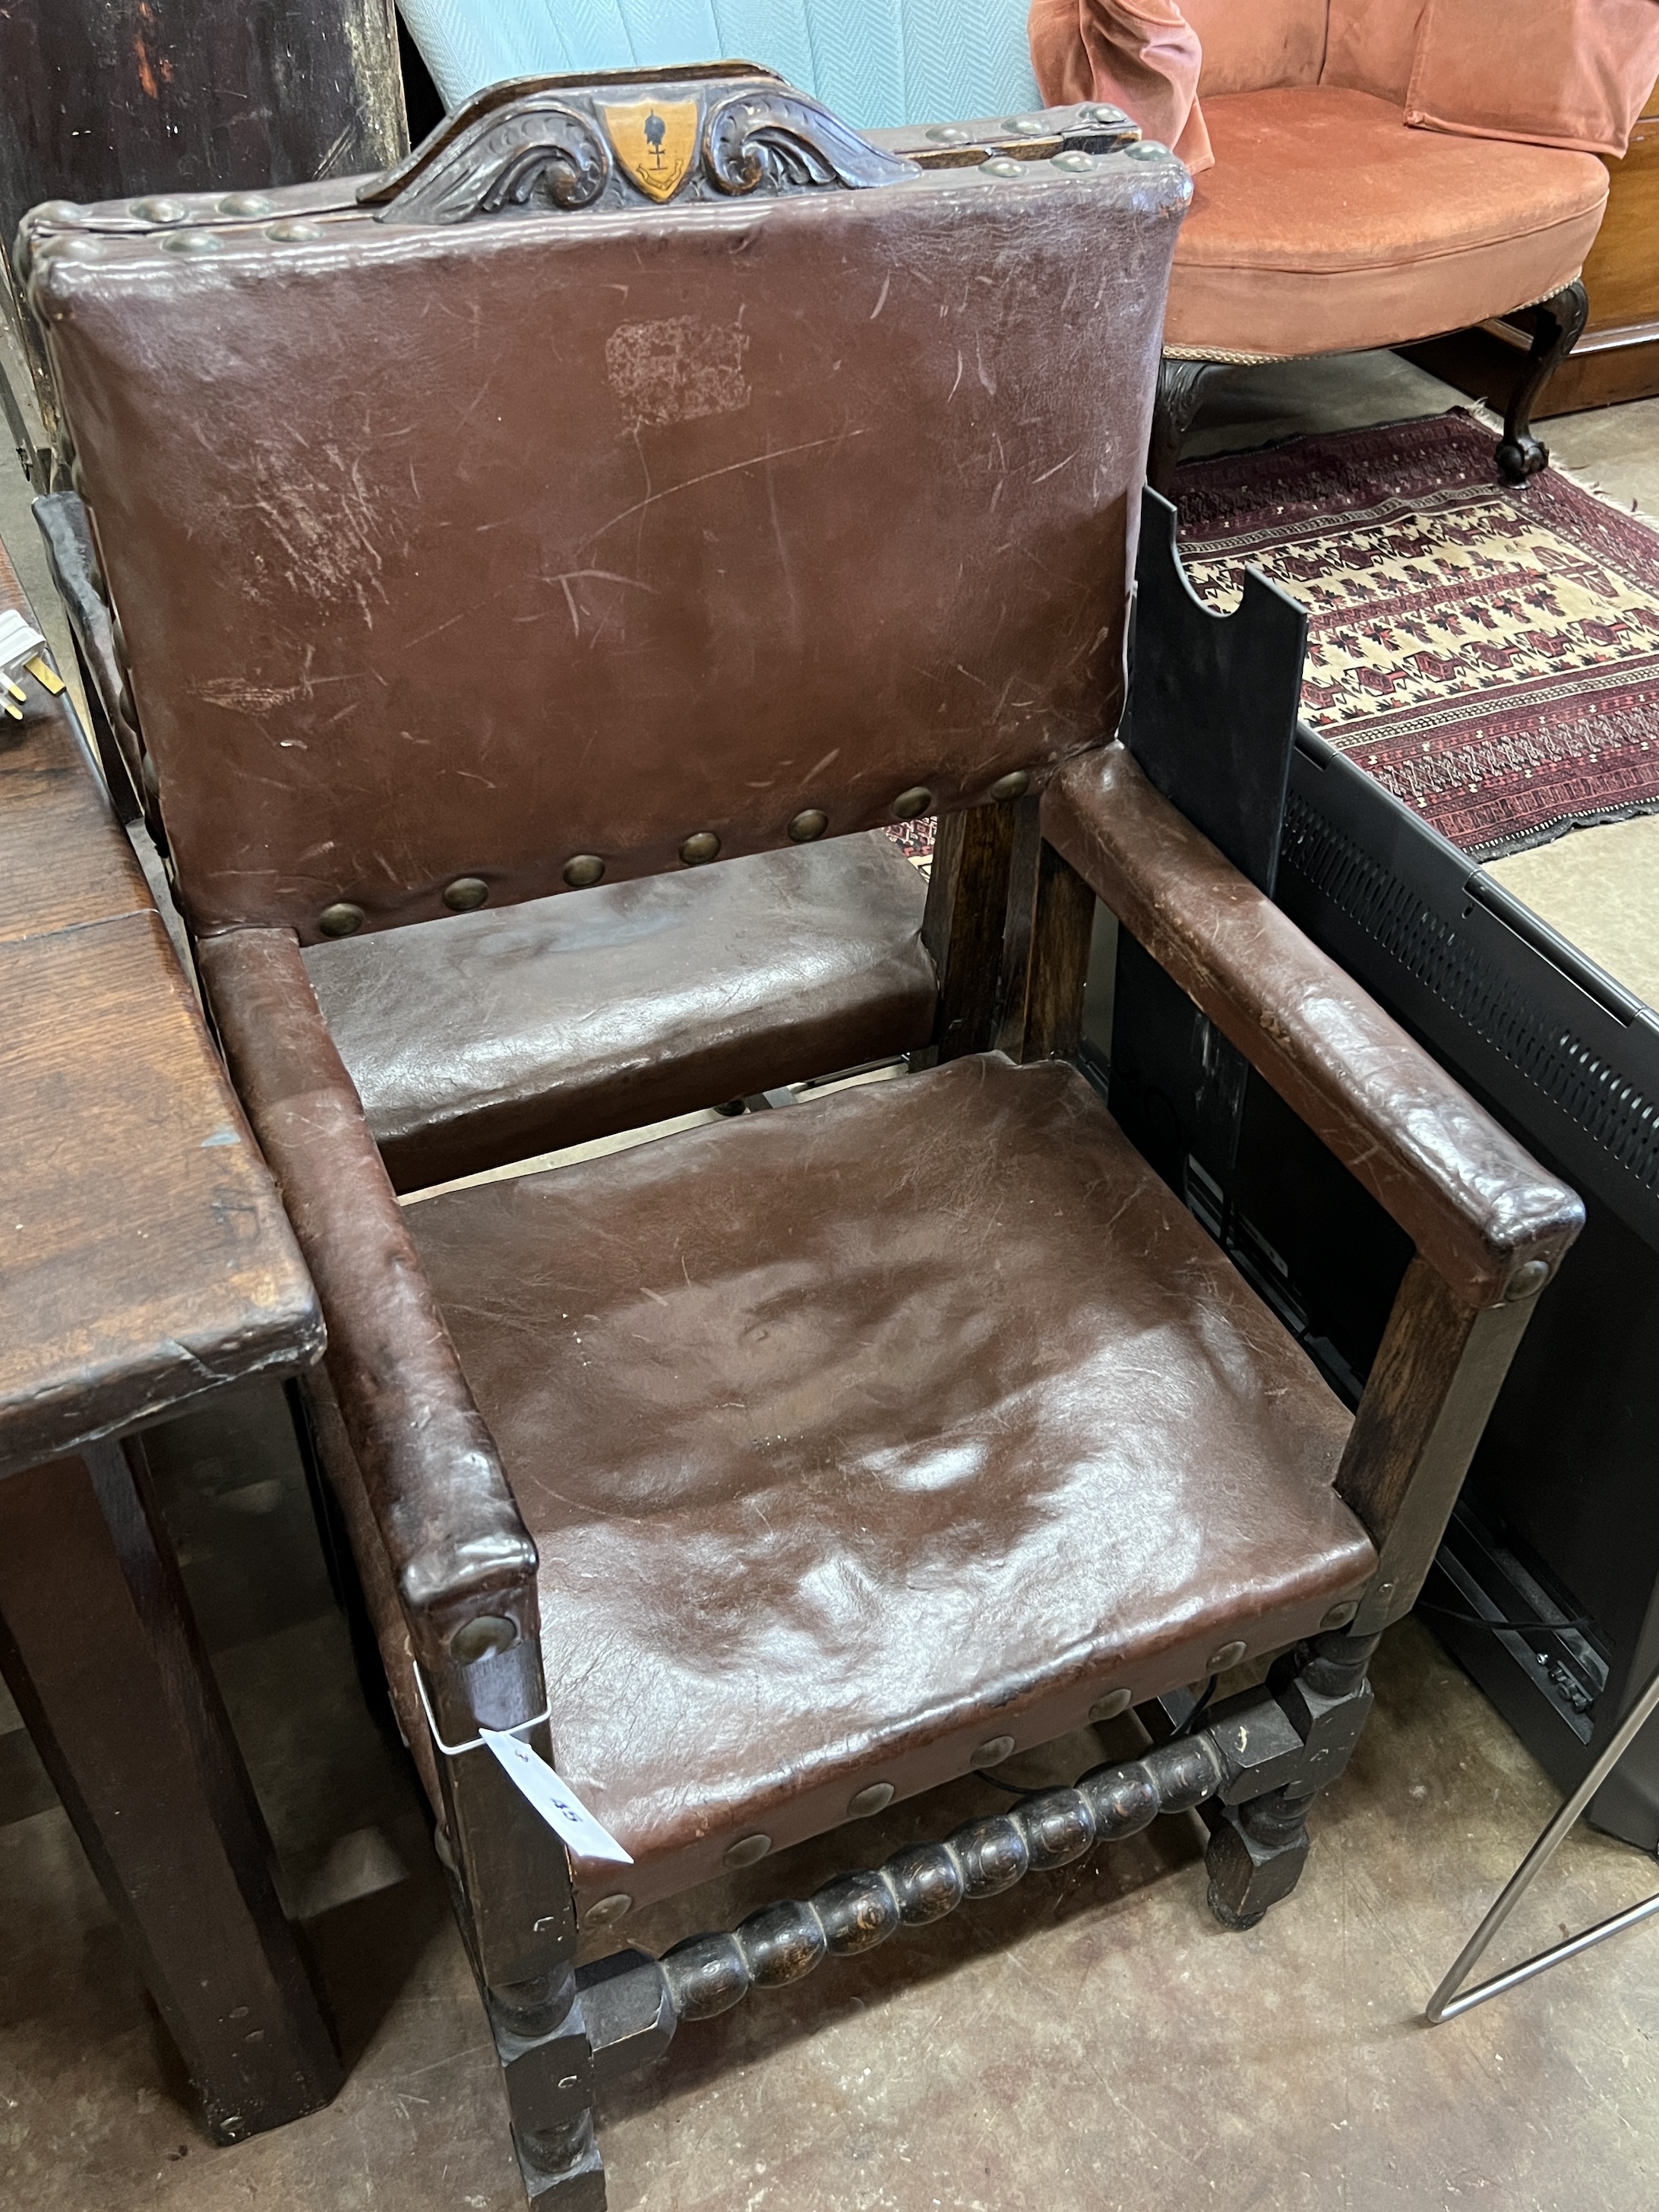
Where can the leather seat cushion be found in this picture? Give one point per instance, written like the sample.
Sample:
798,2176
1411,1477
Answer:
855,1435
1326,225
489,1037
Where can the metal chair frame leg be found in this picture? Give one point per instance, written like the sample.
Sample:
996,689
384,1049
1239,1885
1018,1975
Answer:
1445,2004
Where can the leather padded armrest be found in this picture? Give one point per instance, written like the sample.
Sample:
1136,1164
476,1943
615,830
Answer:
1480,1209
451,1529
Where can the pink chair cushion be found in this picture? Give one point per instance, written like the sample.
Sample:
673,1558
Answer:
1573,73
1255,45
1326,226
1370,46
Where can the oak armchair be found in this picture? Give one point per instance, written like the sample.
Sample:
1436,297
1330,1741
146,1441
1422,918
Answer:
762,1474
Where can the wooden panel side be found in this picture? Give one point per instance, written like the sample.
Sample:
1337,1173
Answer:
1621,272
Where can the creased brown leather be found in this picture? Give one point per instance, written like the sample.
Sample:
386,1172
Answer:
587,532
489,1037
452,1533
856,1434
1476,1204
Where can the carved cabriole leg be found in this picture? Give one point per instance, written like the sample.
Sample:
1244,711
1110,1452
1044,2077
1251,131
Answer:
1561,322
516,1907
1180,395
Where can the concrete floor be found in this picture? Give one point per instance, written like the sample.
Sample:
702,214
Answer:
1088,2040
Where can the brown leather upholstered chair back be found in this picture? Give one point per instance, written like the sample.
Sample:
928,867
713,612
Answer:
552,561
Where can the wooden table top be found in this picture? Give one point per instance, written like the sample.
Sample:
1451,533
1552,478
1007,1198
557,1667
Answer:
144,1257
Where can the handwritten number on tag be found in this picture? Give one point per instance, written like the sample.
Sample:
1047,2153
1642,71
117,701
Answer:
555,1800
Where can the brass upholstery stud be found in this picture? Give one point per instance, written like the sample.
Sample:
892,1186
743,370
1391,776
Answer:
809,825
1147,149
192,242
1028,126
1081,163
1340,1615
292,233
1011,787
745,1851
477,1638
993,1751
341,920
1108,1707
160,210
606,1910
702,845
1528,1279
69,245
946,134
1229,1656
465,893
59,211
245,204
583,869
1002,167
909,804
876,1797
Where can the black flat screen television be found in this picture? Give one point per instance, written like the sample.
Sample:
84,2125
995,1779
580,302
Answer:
1558,1528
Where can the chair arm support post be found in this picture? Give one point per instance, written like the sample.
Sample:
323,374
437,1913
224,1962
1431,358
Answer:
1481,1212
457,1546
1438,1371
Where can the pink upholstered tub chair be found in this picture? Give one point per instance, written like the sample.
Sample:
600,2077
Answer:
1369,172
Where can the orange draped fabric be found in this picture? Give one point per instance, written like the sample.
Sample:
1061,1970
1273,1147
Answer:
1143,56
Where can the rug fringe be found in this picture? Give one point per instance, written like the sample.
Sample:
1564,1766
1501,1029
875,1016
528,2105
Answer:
1484,415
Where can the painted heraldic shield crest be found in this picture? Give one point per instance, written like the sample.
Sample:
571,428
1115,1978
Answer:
655,142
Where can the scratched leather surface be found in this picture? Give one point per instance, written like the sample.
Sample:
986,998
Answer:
855,1434
1475,1202
461,550
489,1037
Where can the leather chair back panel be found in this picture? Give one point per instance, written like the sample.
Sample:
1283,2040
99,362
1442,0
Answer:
468,549
489,1037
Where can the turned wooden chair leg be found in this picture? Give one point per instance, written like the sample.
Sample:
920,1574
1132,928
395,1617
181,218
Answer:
1258,1847
1181,390
1560,321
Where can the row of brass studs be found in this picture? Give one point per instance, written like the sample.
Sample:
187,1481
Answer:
583,869
874,1798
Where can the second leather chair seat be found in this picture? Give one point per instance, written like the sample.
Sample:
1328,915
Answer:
493,1037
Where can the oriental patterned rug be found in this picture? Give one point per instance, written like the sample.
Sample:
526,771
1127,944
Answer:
1489,651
